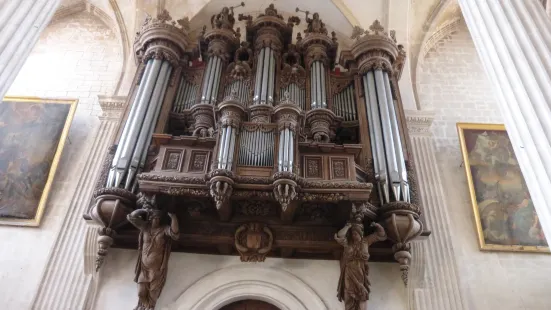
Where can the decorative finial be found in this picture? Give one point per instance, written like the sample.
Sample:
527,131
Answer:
376,27
357,32
164,16
184,23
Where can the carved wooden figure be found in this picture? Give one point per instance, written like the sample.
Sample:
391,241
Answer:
154,250
354,285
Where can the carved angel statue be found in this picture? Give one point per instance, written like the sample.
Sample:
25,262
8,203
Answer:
354,285
225,19
154,250
315,24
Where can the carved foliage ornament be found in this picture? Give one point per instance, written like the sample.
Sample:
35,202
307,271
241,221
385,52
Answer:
292,74
253,241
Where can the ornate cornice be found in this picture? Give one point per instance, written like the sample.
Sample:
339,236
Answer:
112,107
419,122
374,49
162,38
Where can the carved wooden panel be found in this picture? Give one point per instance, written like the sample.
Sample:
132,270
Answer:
313,167
198,161
172,159
339,168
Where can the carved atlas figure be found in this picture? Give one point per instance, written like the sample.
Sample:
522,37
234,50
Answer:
154,250
353,287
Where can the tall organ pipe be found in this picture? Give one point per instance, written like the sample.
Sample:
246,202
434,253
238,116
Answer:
131,116
397,142
271,78
217,73
258,78
125,149
206,80
378,152
221,147
149,121
323,86
388,138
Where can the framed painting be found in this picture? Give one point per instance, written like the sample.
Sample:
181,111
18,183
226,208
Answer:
505,217
32,135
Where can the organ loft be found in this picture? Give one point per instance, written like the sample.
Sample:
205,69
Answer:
251,142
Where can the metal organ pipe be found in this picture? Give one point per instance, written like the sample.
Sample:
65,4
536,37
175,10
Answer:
271,78
221,147
280,152
131,116
258,78
291,145
402,172
152,113
376,134
318,83
265,69
216,81
206,79
122,158
322,82
388,138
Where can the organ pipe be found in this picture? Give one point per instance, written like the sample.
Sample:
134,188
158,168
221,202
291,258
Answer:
402,172
149,121
386,144
375,131
132,128
317,85
211,80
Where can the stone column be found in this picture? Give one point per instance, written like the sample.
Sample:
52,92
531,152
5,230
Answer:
21,23
434,283
513,40
69,279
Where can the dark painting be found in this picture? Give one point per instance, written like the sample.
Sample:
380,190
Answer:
32,134
505,215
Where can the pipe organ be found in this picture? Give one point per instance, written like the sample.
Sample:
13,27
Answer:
264,130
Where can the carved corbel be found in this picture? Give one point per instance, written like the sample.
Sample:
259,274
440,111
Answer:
401,221
110,209
221,188
285,192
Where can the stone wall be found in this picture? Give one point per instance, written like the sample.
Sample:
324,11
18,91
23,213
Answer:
118,291
453,83
76,57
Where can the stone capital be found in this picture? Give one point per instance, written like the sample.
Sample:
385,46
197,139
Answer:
419,122
112,107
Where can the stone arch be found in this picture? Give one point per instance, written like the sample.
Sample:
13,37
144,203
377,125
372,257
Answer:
224,286
442,22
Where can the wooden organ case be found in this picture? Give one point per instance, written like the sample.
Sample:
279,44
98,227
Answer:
262,149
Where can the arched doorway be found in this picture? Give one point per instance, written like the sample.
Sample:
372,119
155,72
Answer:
250,304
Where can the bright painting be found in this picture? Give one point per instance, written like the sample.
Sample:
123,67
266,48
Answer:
504,213
32,135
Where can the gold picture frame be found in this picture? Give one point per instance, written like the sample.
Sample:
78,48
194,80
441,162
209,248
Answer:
55,121
503,211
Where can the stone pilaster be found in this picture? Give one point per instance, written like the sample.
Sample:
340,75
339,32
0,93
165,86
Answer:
513,40
434,283
21,23
70,280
